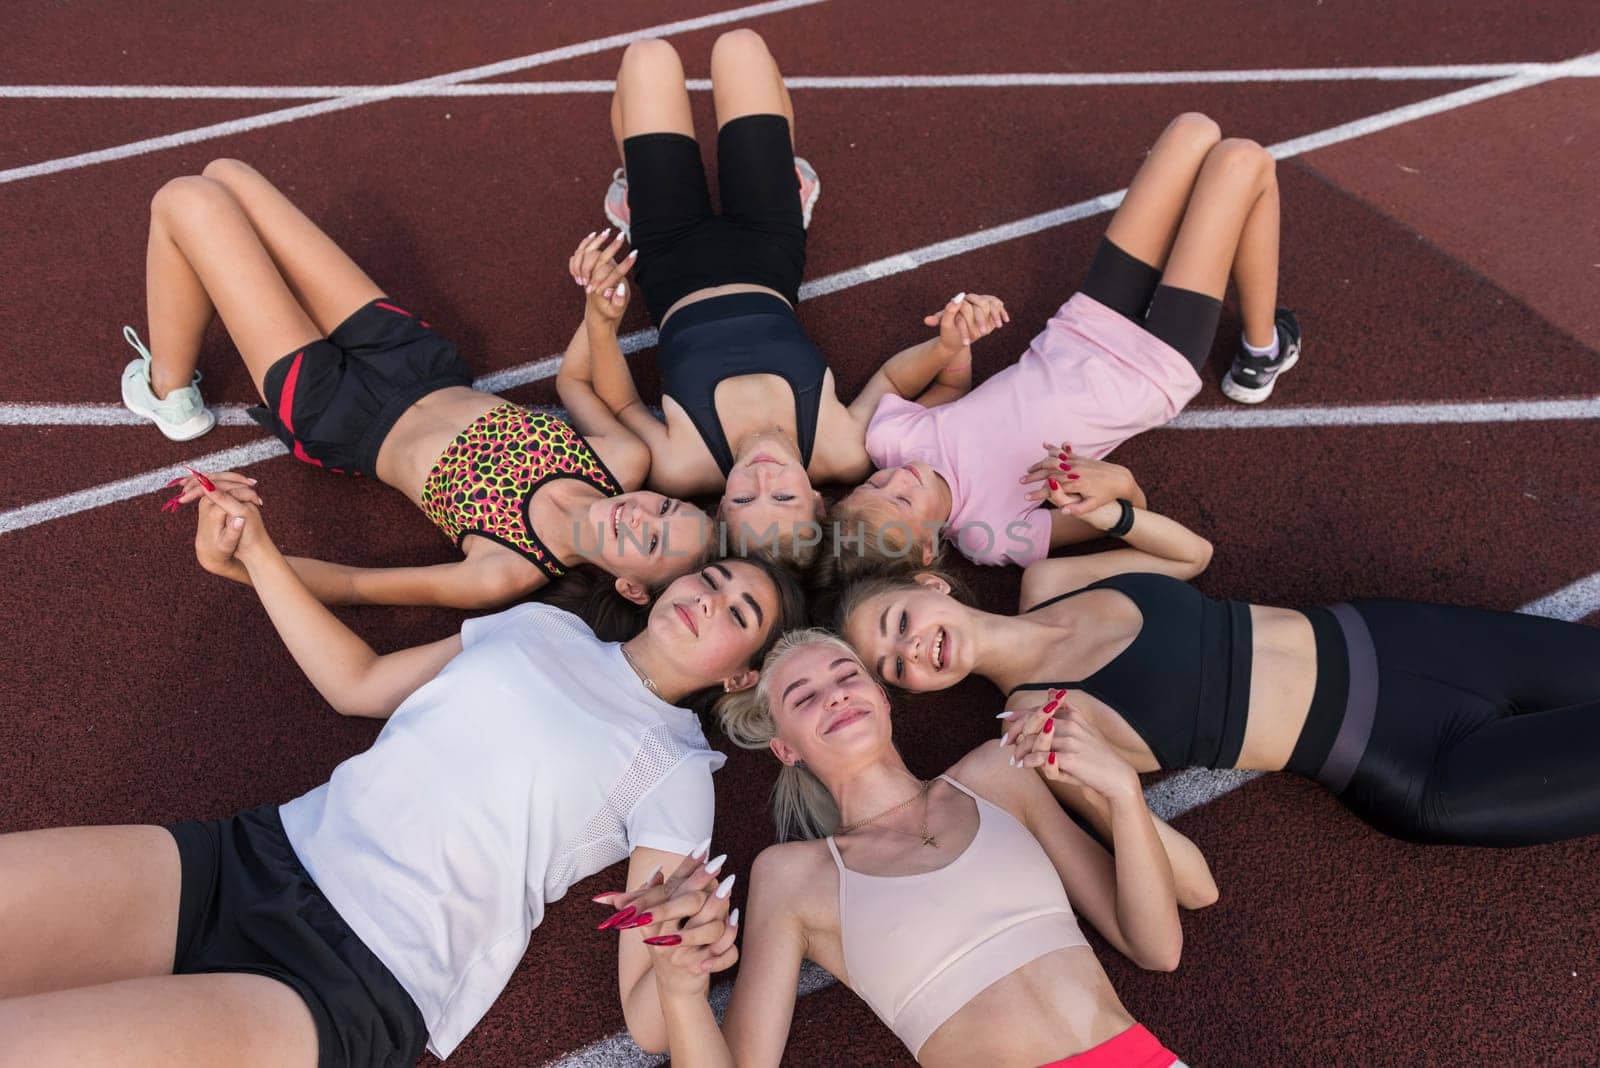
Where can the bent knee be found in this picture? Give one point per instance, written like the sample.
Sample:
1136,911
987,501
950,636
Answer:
1194,129
190,195
651,55
1241,158
229,170
737,46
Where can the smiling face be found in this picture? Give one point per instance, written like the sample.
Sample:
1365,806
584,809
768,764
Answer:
646,536
768,490
917,638
829,712
715,619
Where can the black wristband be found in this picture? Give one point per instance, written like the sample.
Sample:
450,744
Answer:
1125,523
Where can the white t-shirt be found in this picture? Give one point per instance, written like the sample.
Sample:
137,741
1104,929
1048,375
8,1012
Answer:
534,759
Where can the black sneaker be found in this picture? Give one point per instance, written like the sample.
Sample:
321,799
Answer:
1251,378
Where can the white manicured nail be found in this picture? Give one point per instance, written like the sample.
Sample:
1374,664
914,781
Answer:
1013,761
650,876
959,297
714,866
725,887
701,850
1006,714
733,918
622,289
632,254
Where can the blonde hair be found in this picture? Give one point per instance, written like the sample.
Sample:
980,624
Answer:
868,536
801,806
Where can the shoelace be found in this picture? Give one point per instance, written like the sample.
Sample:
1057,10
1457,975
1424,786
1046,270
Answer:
131,336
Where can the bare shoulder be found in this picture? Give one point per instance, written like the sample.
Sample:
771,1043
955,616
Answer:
791,867
987,771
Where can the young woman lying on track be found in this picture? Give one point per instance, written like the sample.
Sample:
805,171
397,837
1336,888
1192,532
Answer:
1434,724
388,907
750,404
946,905
1117,359
357,384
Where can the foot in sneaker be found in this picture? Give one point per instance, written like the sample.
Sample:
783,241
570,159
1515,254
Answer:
616,204
181,415
1252,377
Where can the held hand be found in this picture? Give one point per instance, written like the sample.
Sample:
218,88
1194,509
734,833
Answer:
230,531
594,266
685,954
966,318
1060,742
1078,485
195,484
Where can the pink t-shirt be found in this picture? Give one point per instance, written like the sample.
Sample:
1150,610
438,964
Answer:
1092,379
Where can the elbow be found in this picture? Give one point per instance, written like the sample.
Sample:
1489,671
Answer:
1201,559
357,706
1164,959
649,1039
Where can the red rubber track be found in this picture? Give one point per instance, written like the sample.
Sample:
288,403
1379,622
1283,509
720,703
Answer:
135,688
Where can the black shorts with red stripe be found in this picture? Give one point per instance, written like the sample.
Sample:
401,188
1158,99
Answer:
334,401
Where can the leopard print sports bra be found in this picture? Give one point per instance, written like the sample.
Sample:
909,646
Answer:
485,479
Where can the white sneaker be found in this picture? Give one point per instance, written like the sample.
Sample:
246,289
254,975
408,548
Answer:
182,416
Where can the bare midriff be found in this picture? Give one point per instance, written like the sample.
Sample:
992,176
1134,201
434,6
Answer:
420,436
1053,1007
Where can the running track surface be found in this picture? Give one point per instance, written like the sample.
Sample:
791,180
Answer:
1448,258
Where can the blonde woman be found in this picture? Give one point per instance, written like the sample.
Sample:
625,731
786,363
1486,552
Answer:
946,904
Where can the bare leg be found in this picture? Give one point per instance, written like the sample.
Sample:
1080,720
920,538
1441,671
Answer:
175,1020
205,256
1231,228
325,281
651,96
745,79
85,905
1146,224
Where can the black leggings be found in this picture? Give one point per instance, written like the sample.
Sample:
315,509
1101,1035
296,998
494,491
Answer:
1481,728
1132,288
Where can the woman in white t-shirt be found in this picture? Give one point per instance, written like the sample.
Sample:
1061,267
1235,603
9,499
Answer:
387,908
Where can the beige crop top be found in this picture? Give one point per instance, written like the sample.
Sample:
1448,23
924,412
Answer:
919,947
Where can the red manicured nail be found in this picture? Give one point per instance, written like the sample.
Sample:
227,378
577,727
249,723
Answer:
664,940
1074,477
175,482
205,482
174,504
641,920
617,918
1064,456
600,899
1053,483
1064,467
1051,758
1049,725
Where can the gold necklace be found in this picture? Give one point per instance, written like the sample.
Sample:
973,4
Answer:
927,839
649,683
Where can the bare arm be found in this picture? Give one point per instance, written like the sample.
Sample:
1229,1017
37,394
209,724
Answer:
1156,545
353,679
1069,529
938,370
486,580
761,1009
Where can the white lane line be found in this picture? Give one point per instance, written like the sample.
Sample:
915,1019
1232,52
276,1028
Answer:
1236,418
1067,79
523,374
1170,798
1388,414
373,94
112,492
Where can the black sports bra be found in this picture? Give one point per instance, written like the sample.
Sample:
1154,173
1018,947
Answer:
1184,682
739,334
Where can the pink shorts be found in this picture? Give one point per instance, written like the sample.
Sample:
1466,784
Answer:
1134,1048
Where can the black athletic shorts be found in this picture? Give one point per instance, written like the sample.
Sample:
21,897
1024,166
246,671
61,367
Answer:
1132,288
760,237
247,905
334,401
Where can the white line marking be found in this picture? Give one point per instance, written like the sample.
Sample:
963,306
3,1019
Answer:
1170,798
1388,414
112,492
373,94
1232,418
540,369
1067,79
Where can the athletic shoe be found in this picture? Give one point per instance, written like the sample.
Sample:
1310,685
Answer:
1251,378
181,416
616,204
